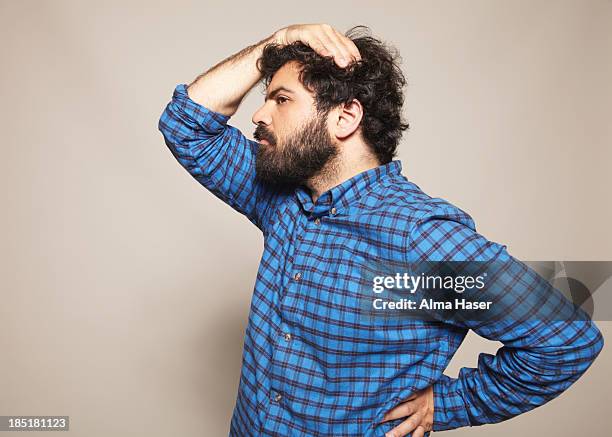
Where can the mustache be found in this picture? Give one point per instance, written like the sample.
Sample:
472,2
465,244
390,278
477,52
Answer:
261,133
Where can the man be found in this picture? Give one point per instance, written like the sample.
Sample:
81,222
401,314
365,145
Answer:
323,188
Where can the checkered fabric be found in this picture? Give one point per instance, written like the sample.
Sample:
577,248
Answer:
312,365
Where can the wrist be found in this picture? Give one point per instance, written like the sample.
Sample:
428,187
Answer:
280,36
450,409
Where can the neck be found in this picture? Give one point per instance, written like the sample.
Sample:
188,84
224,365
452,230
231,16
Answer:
337,171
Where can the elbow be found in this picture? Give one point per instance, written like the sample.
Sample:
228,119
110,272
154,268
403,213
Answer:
556,367
587,347
165,125
177,134
597,343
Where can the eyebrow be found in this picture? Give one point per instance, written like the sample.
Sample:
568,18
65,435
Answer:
274,92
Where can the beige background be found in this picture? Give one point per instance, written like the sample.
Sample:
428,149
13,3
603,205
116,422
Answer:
126,285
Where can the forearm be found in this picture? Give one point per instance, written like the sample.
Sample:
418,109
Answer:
515,381
222,87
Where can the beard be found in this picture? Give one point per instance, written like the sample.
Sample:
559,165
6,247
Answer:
302,155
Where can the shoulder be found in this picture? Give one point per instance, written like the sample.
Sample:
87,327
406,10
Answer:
415,207
433,227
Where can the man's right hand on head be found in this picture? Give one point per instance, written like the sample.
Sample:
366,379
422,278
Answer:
323,39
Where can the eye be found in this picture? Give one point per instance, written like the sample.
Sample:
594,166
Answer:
281,99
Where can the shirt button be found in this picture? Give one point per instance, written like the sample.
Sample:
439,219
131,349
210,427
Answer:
333,211
317,221
276,396
297,276
287,336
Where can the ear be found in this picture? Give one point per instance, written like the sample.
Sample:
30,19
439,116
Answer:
347,119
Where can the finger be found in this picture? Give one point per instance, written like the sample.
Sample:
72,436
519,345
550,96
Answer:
413,396
350,46
406,427
320,46
419,432
402,410
332,47
342,50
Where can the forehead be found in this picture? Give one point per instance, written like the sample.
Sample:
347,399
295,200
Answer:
288,77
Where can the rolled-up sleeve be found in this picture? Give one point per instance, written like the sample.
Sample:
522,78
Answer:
217,155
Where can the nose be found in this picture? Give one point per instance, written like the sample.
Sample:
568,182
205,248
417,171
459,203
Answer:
262,116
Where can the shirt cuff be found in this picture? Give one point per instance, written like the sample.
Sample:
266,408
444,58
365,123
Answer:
450,411
210,121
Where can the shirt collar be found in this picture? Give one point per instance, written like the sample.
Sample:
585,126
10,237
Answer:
338,198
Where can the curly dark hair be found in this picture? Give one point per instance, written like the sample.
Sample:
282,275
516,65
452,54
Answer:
376,81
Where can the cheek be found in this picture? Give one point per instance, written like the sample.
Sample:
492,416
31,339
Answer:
282,133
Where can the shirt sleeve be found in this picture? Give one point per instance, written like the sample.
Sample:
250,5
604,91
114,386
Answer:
539,358
216,154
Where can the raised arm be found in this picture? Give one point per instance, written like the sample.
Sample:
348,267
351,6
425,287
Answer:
222,87
240,72
217,155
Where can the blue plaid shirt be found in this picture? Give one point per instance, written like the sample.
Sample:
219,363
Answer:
311,365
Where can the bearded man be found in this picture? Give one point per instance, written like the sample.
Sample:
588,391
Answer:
321,184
